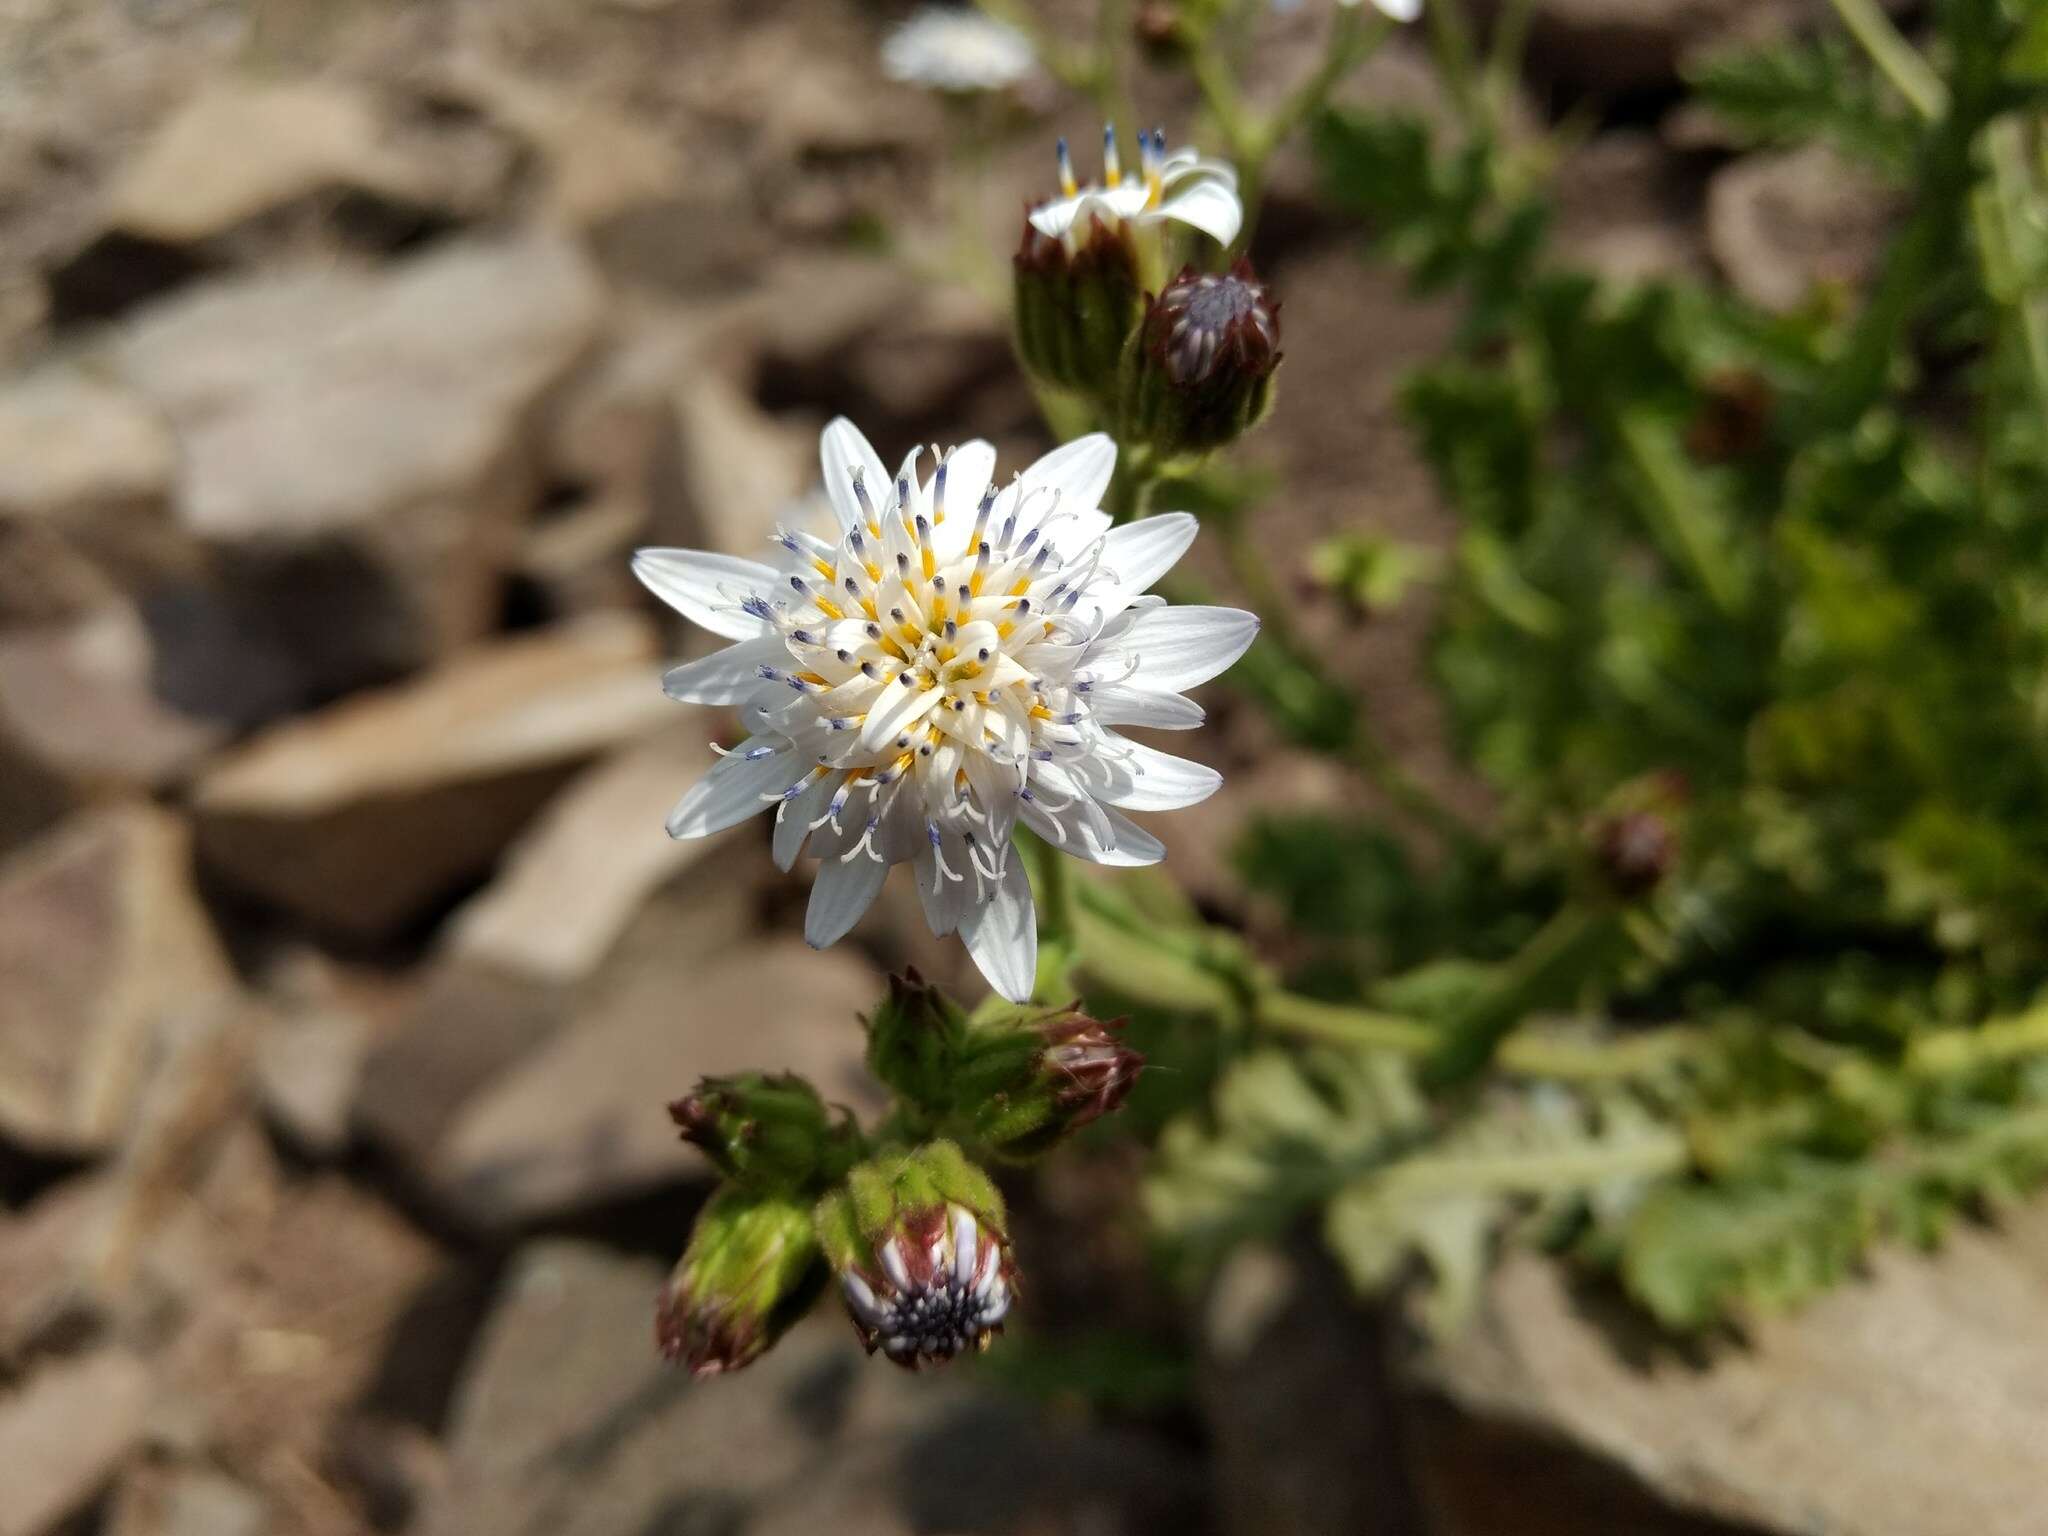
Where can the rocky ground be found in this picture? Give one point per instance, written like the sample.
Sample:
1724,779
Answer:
344,967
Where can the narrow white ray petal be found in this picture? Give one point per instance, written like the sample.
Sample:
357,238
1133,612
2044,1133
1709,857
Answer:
1147,779
841,450
844,890
707,589
733,789
1134,845
1002,934
1079,470
1055,218
1209,206
968,473
1179,648
728,676
793,824
896,711
1122,704
1138,554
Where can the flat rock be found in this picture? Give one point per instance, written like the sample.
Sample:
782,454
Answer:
185,1501
358,450
1907,1403
64,1433
76,698
578,876
73,444
1782,224
509,1101
239,148
359,818
102,941
568,1423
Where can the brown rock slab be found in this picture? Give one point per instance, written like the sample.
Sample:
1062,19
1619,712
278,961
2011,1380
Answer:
1908,1403
1781,224
76,699
102,942
359,818
64,1434
358,450
185,1501
568,1423
238,148
580,874
73,444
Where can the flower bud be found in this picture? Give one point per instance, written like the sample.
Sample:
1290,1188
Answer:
1198,373
753,1267
1063,1070
1077,304
1635,840
924,1267
766,1132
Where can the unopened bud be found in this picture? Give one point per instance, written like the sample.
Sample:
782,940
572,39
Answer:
752,1269
1198,373
766,1132
1635,841
1062,1071
924,1266
1078,300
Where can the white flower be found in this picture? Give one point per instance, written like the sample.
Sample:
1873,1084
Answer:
954,662
1396,10
1182,187
956,50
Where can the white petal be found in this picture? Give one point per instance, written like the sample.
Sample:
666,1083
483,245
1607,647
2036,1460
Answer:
841,450
845,889
1122,704
1134,845
968,473
707,589
1002,934
1055,218
1210,207
1080,471
1138,554
1399,10
794,823
896,711
1151,780
1180,647
733,790
945,901
730,676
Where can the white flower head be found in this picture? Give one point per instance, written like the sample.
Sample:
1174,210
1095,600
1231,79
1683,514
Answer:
956,660
949,49
1182,187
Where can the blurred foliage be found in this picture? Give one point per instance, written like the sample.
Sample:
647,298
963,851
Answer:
1747,629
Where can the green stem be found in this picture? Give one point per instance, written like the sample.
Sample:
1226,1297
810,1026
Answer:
1682,524
1130,491
2000,214
1901,63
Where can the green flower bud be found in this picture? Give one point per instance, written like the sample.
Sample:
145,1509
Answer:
1077,306
924,1266
1198,373
752,1269
1042,1076
766,1132
914,1042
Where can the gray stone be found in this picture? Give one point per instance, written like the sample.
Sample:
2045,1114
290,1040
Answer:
358,452
74,445
102,943
580,874
1907,1403
186,1501
1781,225
568,1423
359,818
240,148
64,1433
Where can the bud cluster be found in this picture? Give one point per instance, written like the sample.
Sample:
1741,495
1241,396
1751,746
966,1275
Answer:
914,1230
1181,366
